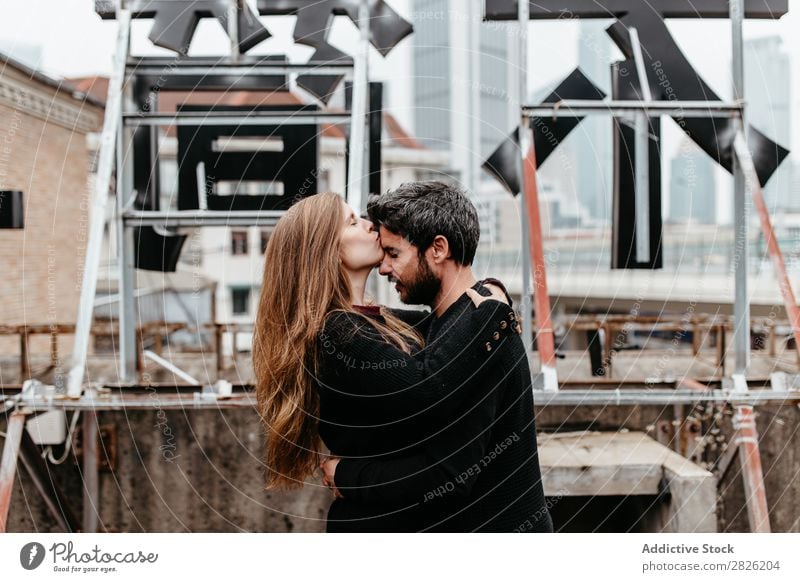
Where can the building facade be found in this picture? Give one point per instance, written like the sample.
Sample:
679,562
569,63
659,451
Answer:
44,154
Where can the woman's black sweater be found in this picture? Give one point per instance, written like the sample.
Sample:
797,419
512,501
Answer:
440,440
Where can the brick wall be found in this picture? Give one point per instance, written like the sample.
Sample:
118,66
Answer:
41,265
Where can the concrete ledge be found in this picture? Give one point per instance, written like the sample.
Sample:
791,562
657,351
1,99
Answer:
631,463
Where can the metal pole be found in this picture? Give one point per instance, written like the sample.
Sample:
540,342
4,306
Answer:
171,367
358,182
752,473
744,420
523,17
642,157
741,331
98,212
745,162
8,464
473,112
91,483
125,241
545,341
233,28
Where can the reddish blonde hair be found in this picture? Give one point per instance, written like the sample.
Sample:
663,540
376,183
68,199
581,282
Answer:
304,281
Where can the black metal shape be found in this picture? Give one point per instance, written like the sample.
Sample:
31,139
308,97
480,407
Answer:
156,249
561,9
314,21
375,120
375,137
175,21
12,209
218,80
315,17
296,166
548,133
146,92
623,229
594,343
668,69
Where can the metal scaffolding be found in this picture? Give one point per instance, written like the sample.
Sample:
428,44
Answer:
115,167
637,112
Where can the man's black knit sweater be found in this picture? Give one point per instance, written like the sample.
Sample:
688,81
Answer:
440,440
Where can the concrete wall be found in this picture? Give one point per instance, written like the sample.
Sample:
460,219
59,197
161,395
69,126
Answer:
179,471
201,471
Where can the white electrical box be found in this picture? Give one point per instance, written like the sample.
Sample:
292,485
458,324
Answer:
49,428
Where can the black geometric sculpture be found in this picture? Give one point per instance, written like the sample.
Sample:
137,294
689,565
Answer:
623,231
667,67
175,21
12,209
295,166
548,133
146,93
156,249
671,78
375,121
314,21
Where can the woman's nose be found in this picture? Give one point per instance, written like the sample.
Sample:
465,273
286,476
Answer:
368,225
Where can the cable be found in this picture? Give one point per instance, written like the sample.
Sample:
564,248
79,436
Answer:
48,452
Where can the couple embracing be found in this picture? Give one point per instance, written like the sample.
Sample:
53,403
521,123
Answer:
427,416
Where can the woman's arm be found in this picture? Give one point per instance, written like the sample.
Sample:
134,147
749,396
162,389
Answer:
448,465
420,320
408,384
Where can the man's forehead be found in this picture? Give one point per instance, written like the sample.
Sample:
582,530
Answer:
389,238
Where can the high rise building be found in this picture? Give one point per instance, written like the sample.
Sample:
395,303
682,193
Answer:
692,187
464,96
591,142
768,91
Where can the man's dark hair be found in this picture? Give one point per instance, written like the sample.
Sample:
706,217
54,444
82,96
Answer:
419,211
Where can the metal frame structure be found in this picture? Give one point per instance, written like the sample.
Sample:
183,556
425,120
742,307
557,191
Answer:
121,117
744,176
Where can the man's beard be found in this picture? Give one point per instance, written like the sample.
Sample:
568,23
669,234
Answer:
425,287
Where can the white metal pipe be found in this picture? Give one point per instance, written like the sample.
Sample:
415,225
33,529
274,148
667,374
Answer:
166,364
641,158
358,182
111,126
741,308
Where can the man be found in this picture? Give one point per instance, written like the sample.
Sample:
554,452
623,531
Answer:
478,470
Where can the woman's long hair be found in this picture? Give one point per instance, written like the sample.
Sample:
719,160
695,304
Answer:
304,280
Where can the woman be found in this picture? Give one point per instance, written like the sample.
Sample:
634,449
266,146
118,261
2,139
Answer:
331,369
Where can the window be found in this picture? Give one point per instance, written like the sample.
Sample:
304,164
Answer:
239,242
264,241
240,300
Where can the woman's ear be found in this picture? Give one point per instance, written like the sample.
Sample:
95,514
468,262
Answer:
440,249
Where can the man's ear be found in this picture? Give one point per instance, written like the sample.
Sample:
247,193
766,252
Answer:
439,250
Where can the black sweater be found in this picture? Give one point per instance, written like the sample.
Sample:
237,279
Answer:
440,440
